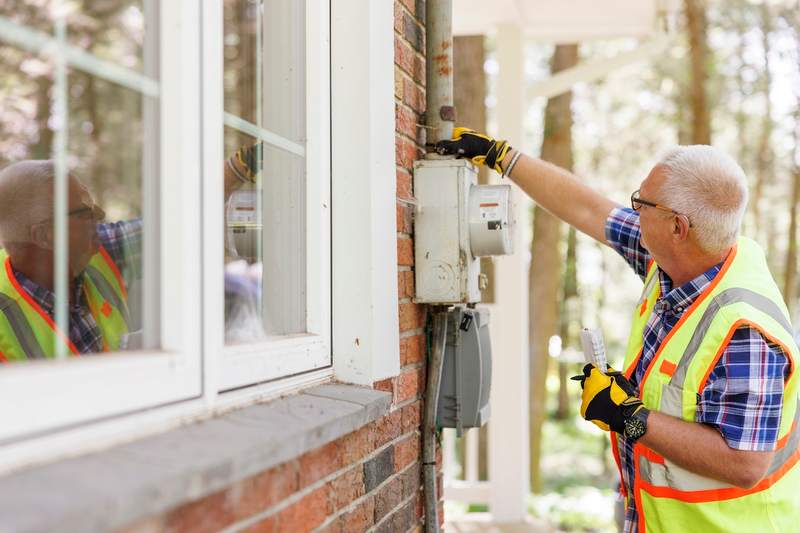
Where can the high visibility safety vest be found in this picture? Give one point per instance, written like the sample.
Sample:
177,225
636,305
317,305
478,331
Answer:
667,497
28,332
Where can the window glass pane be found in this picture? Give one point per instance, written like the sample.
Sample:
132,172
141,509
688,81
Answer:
265,259
87,120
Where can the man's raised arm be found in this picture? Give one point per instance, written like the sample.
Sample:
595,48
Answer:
554,188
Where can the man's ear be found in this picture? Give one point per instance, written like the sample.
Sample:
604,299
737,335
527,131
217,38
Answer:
41,236
680,227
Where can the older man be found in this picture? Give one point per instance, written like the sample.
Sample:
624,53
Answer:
703,417
103,258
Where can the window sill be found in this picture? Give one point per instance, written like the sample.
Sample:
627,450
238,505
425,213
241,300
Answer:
114,487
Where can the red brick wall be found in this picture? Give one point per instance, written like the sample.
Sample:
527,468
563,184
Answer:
373,475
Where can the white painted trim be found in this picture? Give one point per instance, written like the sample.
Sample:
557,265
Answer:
274,358
248,364
83,439
587,72
264,134
213,221
365,325
508,429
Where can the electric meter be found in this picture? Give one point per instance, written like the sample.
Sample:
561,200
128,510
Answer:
244,226
456,222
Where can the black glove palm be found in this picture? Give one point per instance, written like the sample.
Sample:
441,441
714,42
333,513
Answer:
477,147
608,400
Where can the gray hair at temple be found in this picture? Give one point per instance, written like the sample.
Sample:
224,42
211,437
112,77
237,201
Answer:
707,185
26,198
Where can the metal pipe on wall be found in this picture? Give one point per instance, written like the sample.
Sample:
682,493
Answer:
429,473
439,119
440,113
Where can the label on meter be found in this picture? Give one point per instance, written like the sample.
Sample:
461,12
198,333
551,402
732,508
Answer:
490,210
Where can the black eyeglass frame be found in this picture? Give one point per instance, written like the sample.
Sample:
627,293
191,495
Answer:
636,200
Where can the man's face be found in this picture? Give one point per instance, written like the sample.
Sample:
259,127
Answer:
655,223
82,218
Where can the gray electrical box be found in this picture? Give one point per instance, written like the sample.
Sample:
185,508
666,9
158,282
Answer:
466,370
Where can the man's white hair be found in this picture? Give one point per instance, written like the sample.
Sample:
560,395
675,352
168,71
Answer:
26,198
708,186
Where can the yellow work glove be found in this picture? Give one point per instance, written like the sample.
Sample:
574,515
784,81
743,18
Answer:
608,400
477,147
246,162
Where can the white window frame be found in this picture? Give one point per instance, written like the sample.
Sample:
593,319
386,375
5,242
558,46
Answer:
43,395
365,330
247,364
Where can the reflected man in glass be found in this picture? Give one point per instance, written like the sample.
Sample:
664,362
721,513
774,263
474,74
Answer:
103,259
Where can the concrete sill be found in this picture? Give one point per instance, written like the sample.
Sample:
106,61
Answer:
112,488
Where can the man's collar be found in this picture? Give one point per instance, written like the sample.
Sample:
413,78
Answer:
678,299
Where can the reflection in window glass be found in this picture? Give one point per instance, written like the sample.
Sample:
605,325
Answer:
108,131
265,248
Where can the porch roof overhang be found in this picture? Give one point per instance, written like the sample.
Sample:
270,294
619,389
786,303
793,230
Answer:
574,21
563,21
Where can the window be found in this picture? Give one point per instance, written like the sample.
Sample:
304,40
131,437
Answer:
277,238
190,154
98,245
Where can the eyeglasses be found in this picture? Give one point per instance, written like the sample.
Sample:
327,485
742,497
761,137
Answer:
85,213
637,203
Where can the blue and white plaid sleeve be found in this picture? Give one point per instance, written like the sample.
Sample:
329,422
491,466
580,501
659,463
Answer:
743,397
123,242
624,235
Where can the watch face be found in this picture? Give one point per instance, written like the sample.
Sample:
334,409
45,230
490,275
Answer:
634,428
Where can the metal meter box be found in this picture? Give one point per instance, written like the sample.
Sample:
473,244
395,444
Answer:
456,222
243,228
466,370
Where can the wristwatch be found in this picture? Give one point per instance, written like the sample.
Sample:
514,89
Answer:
636,424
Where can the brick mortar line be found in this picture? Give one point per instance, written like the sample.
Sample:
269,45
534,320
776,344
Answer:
406,74
411,366
401,103
396,508
414,50
305,491
355,503
406,403
413,16
403,268
410,75
411,332
406,137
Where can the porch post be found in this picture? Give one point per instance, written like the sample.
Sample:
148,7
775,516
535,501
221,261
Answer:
508,429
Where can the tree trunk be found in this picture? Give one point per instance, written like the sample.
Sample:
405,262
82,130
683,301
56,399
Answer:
469,92
42,148
545,269
764,150
696,24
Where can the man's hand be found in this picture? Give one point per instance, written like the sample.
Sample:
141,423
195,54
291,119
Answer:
608,400
477,147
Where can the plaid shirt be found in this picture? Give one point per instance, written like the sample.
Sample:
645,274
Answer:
123,242
744,393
